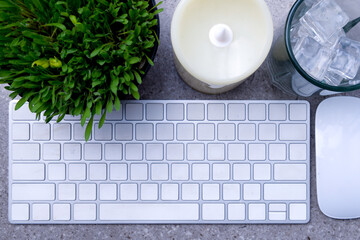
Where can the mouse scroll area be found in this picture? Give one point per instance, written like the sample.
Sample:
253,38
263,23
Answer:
337,138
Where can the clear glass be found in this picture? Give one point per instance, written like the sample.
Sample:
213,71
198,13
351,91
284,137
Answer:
286,72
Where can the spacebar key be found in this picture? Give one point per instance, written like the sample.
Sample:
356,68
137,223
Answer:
149,212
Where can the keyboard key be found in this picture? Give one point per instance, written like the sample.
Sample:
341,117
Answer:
36,192
62,132
77,172
66,192
124,132
147,212
236,152
154,151
84,212
297,211
56,172
200,172
41,212
113,151
25,151
257,112
154,111
87,192
257,152
128,191
278,192
256,211
139,172
206,132
236,112
213,211
252,191
262,172
97,172
29,172
226,132
134,152
215,151
92,151
277,216
292,132
210,192
79,132
185,131
104,133
169,192
277,207
216,111
51,151
114,115
175,151
298,112
149,192
231,191
134,111
23,113
61,212
221,172
267,132
41,131
195,112
236,211
277,152
165,132
289,172
71,118
195,152
190,191
108,192
20,132
180,172
277,112
241,172
247,132
20,212
175,111
159,172
297,152
144,131
118,172
72,151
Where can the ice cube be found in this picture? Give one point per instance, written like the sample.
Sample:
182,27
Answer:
301,86
333,79
325,19
310,3
313,57
346,62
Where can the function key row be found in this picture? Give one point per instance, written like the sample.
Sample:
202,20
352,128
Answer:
195,112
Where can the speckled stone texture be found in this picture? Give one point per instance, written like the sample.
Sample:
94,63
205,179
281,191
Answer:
162,82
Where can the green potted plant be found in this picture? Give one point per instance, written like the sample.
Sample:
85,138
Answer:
76,57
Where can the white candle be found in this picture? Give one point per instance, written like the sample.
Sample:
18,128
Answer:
220,43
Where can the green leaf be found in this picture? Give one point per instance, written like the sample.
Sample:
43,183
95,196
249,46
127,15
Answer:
114,84
98,108
136,95
58,25
96,52
149,60
117,104
73,19
89,128
134,60
102,120
137,76
20,103
109,106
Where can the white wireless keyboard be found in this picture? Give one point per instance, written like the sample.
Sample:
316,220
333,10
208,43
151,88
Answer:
164,162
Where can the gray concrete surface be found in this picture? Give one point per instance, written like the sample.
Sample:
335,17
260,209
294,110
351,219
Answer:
163,82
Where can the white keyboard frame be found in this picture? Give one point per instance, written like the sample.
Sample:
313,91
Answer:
200,221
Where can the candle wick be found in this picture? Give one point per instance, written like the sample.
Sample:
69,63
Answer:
221,35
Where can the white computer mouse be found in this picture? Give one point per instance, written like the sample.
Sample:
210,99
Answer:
337,138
